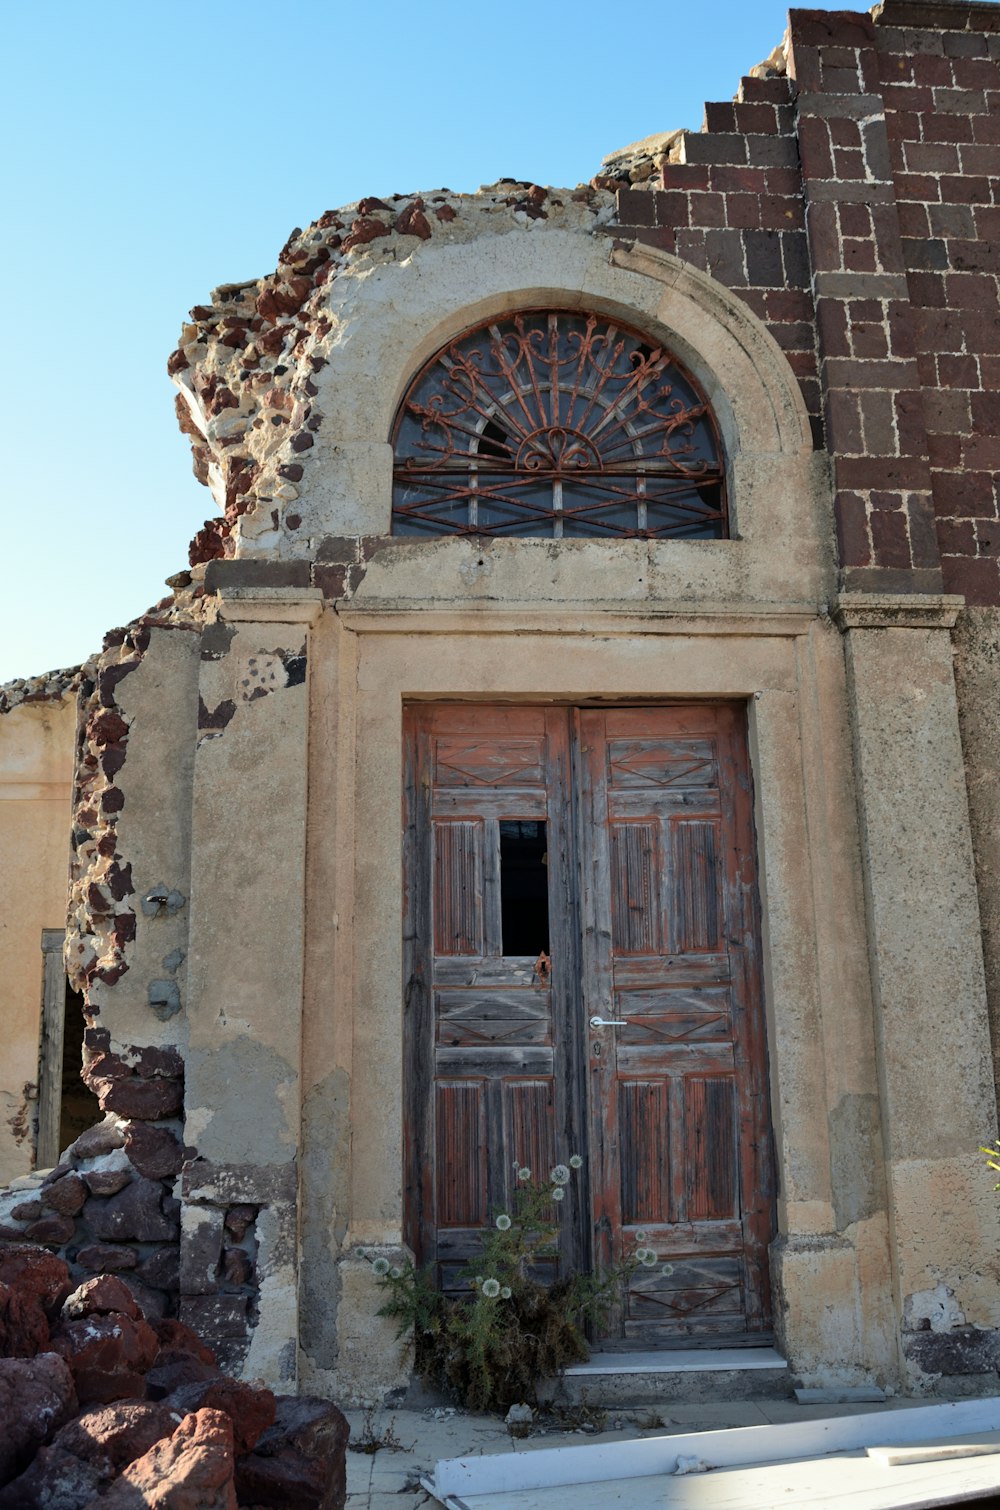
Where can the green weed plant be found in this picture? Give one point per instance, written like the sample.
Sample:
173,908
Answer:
494,1346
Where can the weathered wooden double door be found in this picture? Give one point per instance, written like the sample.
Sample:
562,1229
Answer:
582,977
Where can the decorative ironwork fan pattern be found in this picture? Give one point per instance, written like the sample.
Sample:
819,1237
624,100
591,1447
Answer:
560,424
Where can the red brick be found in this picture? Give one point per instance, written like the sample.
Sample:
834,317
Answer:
937,71
985,128
685,176
789,304
979,157
636,207
910,426
907,97
958,372
926,290
963,190
922,531
855,219
820,28
963,494
913,218
869,339
982,333
772,91
935,127
831,317
721,116
886,500
957,537
824,236
981,452
927,369
931,157
878,419
849,165
743,211
890,540
804,66
779,214
971,73
944,451
756,298
802,363
902,126
859,256
783,181
726,177
844,132
901,337
960,44
970,291
863,472
946,411
852,530
756,119
658,235
843,423
708,209
985,413
978,580
895,68
989,372
917,186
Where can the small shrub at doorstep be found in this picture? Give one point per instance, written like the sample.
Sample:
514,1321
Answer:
493,1346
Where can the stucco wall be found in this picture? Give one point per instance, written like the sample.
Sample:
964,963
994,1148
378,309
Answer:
36,769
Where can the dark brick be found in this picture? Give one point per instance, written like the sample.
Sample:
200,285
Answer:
721,116
708,209
963,494
979,580
763,258
724,255
718,147
853,540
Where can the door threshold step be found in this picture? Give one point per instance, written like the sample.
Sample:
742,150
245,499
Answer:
679,1361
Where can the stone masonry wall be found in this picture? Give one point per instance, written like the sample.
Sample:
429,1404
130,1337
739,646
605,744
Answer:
853,205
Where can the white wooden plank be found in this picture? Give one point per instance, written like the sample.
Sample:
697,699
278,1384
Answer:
739,1447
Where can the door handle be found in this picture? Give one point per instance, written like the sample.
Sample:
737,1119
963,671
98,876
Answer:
608,1022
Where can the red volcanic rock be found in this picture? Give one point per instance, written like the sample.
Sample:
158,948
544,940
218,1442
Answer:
190,1470
413,222
24,1327
36,1398
300,1463
33,1273
252,1410
154,1151
108,1355
133,1213
366,228
87,1454
51,1229
104,1257
176,1338
102,1296
66,1195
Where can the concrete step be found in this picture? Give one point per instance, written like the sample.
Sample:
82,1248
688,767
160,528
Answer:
692,1374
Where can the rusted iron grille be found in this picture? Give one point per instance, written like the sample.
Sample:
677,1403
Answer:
556,423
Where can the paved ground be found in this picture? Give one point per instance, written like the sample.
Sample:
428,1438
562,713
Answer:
388,1479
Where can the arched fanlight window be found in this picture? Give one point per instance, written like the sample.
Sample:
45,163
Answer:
557,423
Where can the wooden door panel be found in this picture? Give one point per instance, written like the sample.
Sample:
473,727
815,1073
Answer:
652,917
680,1146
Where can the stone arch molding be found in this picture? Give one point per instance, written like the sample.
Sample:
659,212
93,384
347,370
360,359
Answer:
389,319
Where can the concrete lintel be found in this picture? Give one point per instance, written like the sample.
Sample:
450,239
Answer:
615,619
896,610
280,605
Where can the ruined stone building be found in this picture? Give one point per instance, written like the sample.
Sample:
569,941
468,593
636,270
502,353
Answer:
576,734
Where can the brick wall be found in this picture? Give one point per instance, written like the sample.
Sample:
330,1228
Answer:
855,206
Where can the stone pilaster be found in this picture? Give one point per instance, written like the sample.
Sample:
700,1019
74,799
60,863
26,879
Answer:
932,1034
239,1281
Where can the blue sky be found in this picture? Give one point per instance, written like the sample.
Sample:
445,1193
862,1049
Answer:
157,149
